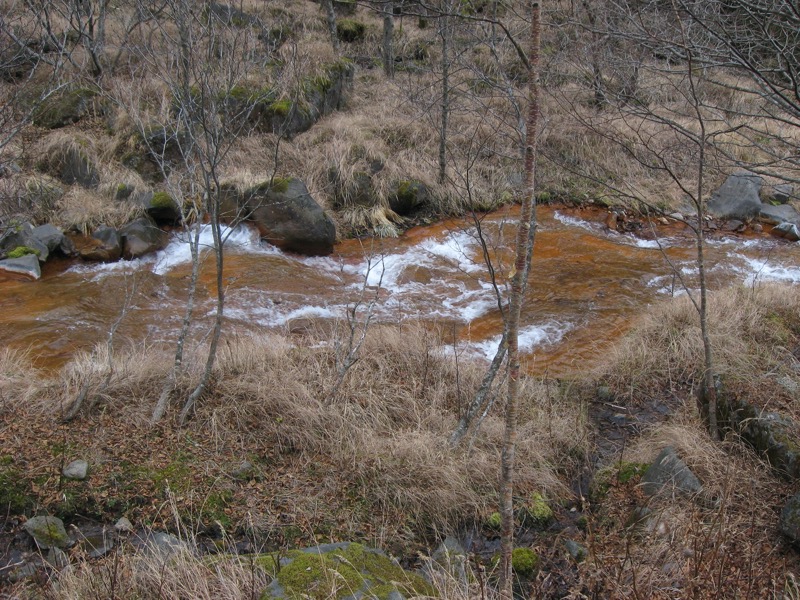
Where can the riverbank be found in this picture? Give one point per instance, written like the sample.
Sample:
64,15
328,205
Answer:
271,460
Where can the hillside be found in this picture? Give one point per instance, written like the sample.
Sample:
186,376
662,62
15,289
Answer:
130,127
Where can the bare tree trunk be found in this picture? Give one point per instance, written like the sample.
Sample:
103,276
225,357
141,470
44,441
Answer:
522,262
215,335
445,34
330,15
388,34
169,384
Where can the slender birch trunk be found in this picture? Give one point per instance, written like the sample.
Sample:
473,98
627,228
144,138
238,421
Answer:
523,255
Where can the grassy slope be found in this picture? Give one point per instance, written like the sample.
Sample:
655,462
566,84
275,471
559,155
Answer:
373,464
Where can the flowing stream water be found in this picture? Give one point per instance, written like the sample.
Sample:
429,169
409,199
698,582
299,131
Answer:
587,286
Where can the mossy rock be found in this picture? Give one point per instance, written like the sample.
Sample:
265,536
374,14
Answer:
538,510
350,30
524,562
337,571
64,108
21,251
48,532
408,195
162,200
618,473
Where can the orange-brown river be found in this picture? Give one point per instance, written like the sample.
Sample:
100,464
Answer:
586,287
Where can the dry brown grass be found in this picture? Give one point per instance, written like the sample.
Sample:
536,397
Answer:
374,458
722,544
84,210
754,332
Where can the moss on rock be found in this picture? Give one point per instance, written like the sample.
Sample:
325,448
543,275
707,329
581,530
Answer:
339,571
21,251
524,562
162,200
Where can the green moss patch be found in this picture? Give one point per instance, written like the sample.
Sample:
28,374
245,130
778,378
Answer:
538,509
21,251
524,562
342,571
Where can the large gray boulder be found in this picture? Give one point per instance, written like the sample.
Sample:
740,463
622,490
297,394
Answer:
669,475
288,217
737,198
23,237
25,265
141,237
54,239
782,213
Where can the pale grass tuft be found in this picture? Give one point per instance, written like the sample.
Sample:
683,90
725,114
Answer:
751,334
16,376
85,210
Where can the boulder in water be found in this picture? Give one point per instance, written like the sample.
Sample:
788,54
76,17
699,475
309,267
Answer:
105,245
25,265
737,198
141,237
288,217
782,213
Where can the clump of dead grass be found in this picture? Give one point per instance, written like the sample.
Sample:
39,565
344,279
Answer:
755,332
16,374
383,429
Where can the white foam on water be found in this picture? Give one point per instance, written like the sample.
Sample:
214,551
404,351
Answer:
386,271
756,270
102,270
657,244
530,337
240,238
575,222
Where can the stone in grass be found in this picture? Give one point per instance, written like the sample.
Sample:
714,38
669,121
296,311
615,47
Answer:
47,532
345,570
77,469
451,557
123,525
790,519
577,551
669,475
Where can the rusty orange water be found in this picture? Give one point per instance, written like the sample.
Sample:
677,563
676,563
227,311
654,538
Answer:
586,288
